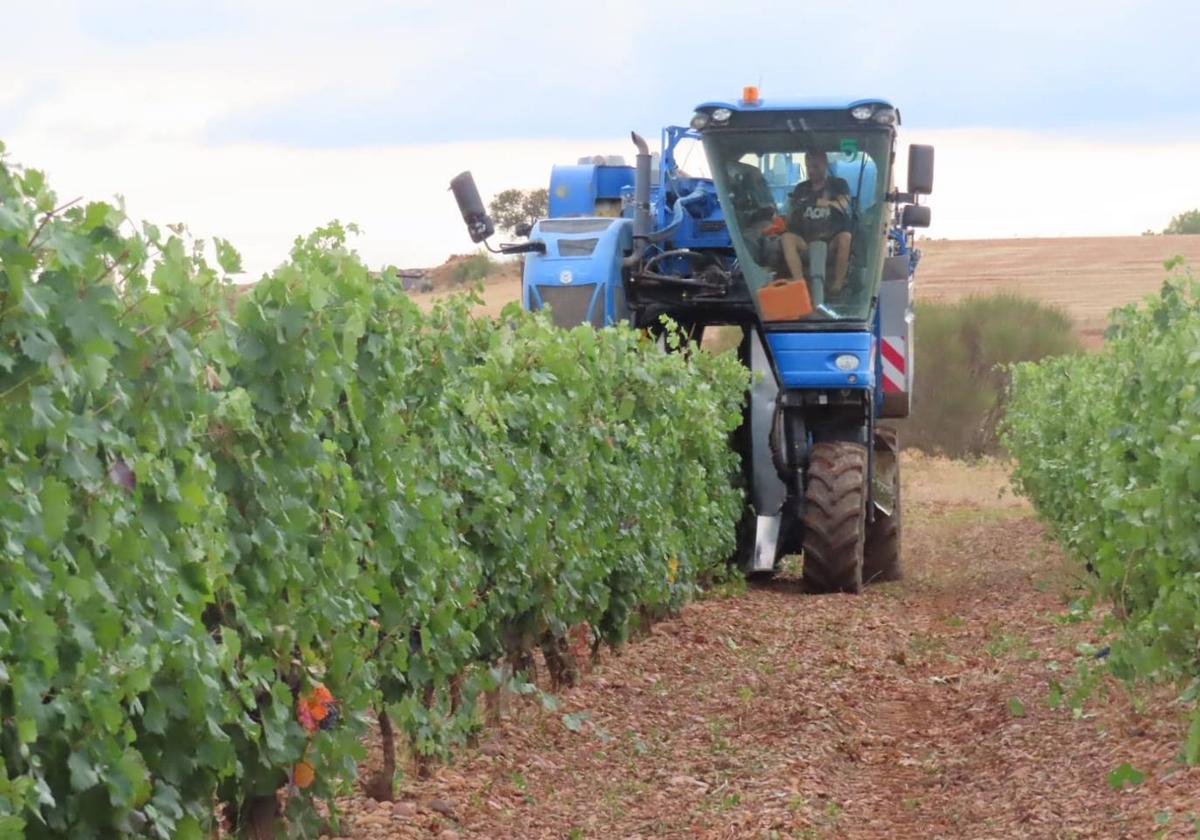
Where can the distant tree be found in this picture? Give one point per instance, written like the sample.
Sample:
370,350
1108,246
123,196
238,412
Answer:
514,207
1188,222
474,268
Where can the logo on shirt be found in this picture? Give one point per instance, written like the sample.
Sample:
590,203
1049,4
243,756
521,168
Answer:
815,214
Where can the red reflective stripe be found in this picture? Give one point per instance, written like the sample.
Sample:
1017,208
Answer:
893,355
889,385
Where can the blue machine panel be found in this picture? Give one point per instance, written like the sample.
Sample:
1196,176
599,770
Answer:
807,359
579,276
576,189
610,180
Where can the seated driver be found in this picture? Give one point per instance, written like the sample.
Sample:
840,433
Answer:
820,210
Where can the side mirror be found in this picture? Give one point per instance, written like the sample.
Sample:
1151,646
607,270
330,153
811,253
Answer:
920,169
479,226
523,229
914,216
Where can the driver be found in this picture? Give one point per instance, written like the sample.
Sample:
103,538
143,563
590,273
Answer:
820,210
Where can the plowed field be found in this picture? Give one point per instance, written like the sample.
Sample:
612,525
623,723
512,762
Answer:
1088,276
921,709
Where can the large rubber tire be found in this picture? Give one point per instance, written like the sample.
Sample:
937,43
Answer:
835,514
881,554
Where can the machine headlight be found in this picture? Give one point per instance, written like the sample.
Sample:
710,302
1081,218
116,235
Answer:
862,112
721,115
699,120
846,361
886,116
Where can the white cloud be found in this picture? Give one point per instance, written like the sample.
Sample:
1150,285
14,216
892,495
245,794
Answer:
1013,183
988,184
126,110
261,197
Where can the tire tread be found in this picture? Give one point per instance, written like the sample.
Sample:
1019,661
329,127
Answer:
835,517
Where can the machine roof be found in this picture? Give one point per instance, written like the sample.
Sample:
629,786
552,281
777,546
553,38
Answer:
815,103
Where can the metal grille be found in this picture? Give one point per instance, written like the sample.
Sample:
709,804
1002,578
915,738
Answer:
576,247
570,304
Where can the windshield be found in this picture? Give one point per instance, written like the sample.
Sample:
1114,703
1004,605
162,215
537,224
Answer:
690,159
807,215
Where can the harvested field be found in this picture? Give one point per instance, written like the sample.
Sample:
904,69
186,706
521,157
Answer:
1087,276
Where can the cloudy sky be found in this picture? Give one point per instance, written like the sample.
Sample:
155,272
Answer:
259,120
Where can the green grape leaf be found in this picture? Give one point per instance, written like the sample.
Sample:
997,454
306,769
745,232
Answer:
83,774
55,499
575,721
228,257
1124,775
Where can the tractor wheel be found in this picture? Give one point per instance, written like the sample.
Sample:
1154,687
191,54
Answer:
881,555
835,514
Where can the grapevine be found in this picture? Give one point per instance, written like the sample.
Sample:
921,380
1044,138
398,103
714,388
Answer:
237,521
1107,448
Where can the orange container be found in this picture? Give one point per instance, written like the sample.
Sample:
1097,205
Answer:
785,300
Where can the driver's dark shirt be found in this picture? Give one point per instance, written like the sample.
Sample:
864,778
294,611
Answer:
812,222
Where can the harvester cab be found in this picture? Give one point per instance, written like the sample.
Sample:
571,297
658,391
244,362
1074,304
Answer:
789,231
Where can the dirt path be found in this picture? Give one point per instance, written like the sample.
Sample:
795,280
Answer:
918,710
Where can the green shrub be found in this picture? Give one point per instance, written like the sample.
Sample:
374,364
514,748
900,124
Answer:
1184,223
207,514
962,353
1107,448
473,269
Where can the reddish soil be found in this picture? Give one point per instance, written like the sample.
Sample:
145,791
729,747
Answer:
445,282
921,709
